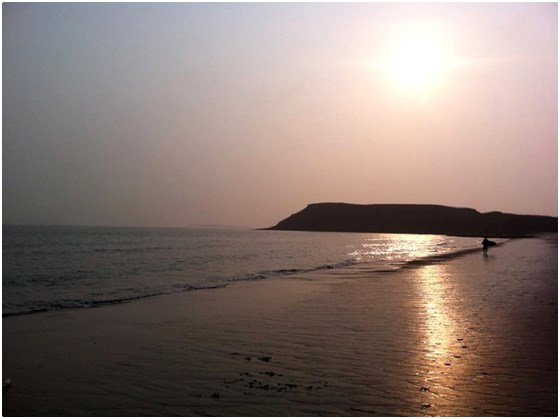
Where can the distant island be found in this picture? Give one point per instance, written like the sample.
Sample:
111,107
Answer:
415,219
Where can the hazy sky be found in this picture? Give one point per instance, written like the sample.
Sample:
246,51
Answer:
242,114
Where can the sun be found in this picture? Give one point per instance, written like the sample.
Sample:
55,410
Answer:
417,63
416,60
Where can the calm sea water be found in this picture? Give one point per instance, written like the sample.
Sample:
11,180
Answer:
50,268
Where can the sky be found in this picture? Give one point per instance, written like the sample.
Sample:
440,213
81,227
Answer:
181,114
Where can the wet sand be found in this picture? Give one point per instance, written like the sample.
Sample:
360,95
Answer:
468,336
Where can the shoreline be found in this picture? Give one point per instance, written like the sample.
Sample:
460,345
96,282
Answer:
381,266
435,338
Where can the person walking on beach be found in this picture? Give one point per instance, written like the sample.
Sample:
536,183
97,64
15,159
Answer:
485,244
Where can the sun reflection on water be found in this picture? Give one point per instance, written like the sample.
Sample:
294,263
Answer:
402,247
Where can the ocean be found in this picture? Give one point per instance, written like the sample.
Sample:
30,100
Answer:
48,268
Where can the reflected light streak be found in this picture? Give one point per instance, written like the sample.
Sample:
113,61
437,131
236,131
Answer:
444,373
399,247
439,324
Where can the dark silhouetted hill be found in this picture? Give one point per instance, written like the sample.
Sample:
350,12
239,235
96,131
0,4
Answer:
415,219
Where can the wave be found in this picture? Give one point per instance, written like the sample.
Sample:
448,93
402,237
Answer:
216,283
380,266
434,259
84,304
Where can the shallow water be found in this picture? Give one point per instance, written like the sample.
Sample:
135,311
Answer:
49,268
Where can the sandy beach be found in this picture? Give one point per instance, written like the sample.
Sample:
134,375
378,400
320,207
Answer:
463,336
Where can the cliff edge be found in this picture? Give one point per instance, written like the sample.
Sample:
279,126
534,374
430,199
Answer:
415,219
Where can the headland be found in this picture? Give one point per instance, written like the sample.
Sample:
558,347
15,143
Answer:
415,219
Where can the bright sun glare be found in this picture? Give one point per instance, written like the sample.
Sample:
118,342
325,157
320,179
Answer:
417,63
415,60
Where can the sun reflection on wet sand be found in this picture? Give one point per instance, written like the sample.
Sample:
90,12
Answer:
439,323
441,330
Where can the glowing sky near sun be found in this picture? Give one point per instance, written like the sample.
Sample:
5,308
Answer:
222,113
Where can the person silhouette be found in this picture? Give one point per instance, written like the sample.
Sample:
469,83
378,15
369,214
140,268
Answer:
485,244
